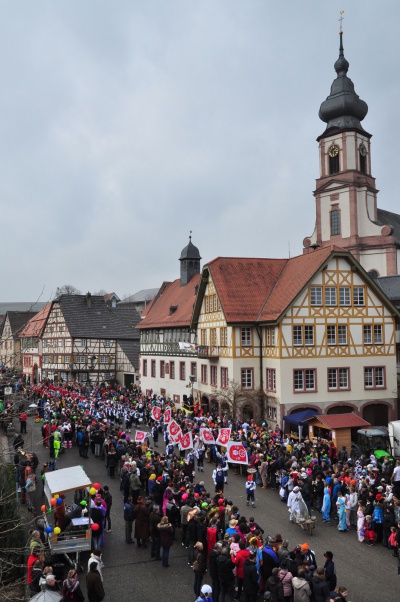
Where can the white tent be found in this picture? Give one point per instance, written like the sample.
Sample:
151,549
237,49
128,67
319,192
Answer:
66,479
46,595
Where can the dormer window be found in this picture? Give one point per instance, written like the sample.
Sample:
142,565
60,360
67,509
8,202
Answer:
333,153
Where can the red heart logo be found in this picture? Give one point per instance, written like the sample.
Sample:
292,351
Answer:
237,452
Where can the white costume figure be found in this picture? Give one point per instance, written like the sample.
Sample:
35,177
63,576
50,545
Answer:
295,503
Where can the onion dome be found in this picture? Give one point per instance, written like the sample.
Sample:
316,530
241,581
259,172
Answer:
190,251
343,108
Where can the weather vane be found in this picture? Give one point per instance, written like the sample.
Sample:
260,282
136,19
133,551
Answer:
190,235
341,21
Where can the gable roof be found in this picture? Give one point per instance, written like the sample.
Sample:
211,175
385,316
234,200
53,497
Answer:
146,294
35,326
172,306
337,421
99,320
390,286
131,350
17,320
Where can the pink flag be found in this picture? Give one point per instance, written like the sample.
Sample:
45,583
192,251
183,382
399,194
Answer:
237,453
167,415
186,441
206,435
140,436
156,413
223,436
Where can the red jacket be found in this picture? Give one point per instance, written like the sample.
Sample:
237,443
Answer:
239,560
23,417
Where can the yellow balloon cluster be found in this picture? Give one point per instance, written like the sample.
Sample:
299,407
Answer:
92,491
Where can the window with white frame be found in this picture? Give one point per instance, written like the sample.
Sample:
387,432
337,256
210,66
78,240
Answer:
344,296
80,359
358,295
297,335
213,337
203,336
374,377
46,359
204,373
331,334
172,369
271,413
270,380
182,370
246,336
193,370
304,380
338,379
247,378
316,295
367,334
270,336
153,368
107,344
342,334
308,335
223,334
378,334
330,295
104,359
162,369
83,342
107,375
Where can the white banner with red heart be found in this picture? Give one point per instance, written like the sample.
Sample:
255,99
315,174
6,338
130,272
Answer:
140,436
207,436
167,415
186,441
156,413
223,436
174,430
237,453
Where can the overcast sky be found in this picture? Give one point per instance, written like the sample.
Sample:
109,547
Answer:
126,124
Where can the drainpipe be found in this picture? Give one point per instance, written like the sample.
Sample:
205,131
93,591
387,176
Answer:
260,350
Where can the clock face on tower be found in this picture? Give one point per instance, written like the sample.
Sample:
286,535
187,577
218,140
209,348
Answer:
333,150
363,150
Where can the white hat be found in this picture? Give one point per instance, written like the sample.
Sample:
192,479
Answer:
296,489
206,589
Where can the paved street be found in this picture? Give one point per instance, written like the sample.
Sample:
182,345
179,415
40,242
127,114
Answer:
370,574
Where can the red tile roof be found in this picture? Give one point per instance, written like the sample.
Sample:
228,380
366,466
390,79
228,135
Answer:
261,289
34,327
337,421
243,284
173,295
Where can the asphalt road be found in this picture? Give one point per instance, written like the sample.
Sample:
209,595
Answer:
369,573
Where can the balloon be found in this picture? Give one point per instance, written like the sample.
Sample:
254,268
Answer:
95,527
57,530
92,491
43,477
83,503
59,501
97,486
49,529
43,508
53,501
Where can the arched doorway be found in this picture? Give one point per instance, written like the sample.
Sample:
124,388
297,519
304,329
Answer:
247,413
303,409
340,409
377,414
204,404
225,409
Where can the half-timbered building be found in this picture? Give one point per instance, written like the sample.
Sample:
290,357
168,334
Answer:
165,366
314,331
31,345
10,342
87,338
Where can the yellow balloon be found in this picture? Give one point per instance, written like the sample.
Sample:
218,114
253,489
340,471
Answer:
57,530
56,495
92,491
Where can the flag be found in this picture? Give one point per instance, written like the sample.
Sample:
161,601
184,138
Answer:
156,413
207,436
187,347
140,436
223,436
167,415
186,441
174,430
237,453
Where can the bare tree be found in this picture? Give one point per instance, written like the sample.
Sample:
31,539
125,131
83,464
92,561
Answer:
101,292
67,289
232,396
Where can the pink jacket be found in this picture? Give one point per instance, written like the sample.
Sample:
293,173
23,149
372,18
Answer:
286,579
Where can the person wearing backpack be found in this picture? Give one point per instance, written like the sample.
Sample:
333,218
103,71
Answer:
71,589
129,517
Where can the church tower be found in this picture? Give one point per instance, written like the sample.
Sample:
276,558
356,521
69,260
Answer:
190,262
346,196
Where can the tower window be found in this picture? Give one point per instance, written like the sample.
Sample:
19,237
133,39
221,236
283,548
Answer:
363,163
335,222
333,153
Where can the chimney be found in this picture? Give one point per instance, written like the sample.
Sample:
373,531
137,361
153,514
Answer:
89,300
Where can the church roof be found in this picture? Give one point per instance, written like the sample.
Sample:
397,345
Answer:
190,251
343,108
390,219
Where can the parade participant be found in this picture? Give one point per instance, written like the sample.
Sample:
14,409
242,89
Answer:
108,501
250,578
142,525
166,539
330,570
326,505
129,517
219,479
341,510
199,567
71,589
94,584
250,490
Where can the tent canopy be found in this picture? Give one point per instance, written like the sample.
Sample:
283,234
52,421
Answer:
66,479
300,417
